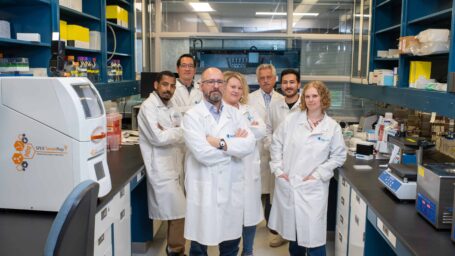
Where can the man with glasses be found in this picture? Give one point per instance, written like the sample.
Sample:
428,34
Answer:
187,93
160,140
217,138
261,100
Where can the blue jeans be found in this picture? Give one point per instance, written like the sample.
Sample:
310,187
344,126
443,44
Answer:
296,250
248,234
227,248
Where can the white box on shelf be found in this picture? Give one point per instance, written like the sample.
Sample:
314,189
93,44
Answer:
383,54
5,30
76,5
95,40
32,37
65,3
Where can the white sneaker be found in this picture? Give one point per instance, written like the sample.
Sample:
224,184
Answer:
276,240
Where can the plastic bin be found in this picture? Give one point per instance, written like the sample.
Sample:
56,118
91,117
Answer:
114,131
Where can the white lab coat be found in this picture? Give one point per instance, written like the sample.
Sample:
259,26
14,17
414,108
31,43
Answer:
163,158
183,100
256,100
253,205
301,206
214,178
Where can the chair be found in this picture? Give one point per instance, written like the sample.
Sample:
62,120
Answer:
72,232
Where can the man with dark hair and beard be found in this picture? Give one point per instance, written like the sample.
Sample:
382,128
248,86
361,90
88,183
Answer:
217,137
161,143
290,84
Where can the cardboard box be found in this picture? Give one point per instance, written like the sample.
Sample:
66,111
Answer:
5,30
31,37
117,15
78,36
63,30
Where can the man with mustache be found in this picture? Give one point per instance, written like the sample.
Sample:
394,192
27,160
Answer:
217,137
161,143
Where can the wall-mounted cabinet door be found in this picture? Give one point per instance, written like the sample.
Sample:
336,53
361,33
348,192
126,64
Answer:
361,41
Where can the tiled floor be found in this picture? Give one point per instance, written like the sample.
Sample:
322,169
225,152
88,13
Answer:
261,247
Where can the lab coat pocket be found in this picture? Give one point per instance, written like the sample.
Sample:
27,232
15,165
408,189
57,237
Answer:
237,194
199,193
256,170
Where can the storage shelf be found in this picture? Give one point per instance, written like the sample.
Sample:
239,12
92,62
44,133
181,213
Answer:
76,49
386,59
388,29
388,2
118,54
12,42
442,103
28,2
68,13
441,15
117,26
108,2
114,90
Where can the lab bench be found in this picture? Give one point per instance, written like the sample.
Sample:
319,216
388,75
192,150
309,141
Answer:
370,221
25,232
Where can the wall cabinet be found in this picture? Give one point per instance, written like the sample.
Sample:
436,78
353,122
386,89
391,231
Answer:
43,16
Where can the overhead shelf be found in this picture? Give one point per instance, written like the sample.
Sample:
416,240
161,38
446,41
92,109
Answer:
76,49
441,15
12,42
68,13
118,54
28,2
394,27
442,103
386,59
117,26
108,2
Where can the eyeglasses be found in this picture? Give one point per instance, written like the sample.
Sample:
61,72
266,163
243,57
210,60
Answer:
212,82
187,66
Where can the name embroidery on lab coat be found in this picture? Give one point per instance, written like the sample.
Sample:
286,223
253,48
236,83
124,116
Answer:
320,138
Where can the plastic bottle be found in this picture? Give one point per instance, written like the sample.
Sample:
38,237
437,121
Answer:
119,71
96,71
114,129
110,72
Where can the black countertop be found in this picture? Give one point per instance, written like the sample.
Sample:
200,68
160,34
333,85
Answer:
418,236
25,232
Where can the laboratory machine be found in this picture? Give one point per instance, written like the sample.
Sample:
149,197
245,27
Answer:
53,134
400,177
435,193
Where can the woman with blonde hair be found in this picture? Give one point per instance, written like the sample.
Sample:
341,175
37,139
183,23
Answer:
236,94
306,148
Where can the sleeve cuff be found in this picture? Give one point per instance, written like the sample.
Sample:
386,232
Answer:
278,173
317,175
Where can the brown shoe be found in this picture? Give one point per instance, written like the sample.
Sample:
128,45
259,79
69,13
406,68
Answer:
276,240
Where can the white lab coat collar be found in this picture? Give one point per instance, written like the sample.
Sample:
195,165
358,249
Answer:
320,128
159,102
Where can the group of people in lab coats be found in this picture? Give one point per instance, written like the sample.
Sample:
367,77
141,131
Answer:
219,159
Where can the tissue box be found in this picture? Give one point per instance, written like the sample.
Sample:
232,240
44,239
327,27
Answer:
32,37
5,30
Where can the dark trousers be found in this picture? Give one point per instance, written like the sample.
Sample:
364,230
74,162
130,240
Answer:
267,207
296,250
227,248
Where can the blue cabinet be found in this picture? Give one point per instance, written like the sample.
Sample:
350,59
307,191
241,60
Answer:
43,16
396,18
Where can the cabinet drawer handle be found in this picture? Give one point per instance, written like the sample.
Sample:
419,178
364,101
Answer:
357,198
103,213
356,219
343,182
341,219
101,239
342,200
340,237
122,192
122,214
